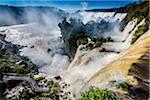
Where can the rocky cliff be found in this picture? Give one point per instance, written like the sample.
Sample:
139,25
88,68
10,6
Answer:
123,61
108,50
132,66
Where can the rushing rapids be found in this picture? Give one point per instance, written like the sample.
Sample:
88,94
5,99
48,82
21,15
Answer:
114,59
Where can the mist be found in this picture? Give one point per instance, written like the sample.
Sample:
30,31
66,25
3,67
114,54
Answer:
37,29
43,32
7,17
22,15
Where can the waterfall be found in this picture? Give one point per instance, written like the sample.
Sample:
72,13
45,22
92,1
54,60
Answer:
45,48
110,16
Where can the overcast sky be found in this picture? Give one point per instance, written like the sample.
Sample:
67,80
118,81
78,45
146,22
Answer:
69,5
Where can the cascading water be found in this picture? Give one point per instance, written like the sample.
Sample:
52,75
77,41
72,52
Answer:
108,16
45,48
87,63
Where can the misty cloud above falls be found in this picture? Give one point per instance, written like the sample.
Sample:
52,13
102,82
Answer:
50,17
40,40
72,27
22,15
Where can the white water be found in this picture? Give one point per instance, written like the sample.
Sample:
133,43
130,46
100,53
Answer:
87,62
54,62
84,66
124,38
38,40
95,16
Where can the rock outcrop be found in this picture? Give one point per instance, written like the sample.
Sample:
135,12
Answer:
8,47
131,66
74,29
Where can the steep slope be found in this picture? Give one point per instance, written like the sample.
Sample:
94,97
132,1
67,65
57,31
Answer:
85,65
131,66
19,77
124,39
116,59
88,62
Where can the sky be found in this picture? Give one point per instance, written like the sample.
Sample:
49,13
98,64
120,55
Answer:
69,5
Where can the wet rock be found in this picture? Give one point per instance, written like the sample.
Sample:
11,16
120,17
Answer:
8,47
32,47
57,77
48,50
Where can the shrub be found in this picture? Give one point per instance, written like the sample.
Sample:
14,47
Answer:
21,70
8,64
97,94
98,42
39,78
23,95
121,85
140,31
53,93
137,10
81,40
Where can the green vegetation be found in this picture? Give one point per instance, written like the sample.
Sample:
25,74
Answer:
15,98
139,11
97,94
53,92
121,85
14,63
98,41
39,78
81,40
8,64
24,94
141,30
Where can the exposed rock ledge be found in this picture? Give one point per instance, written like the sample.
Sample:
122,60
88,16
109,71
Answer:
20,77
132,66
